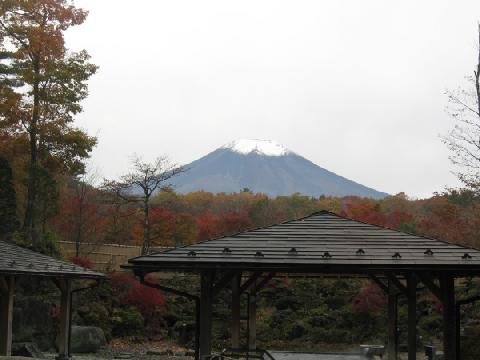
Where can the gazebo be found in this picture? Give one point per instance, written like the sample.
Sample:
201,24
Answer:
17,262
322,243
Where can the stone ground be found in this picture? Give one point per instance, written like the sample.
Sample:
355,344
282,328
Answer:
107,355
159,350
120,349
142,355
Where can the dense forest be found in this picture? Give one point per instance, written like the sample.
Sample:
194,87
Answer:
84,214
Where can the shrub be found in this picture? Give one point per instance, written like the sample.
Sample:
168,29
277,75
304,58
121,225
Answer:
127,321
148,302
371,299
287,302
82,261
96,313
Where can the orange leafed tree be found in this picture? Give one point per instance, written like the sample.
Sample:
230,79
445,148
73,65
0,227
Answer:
54,82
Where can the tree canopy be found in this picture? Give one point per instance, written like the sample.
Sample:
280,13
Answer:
41,112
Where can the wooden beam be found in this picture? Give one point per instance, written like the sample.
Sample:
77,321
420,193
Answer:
412,316
6,315
379,282
392,346
449,317
250,281
206,305
393,279
252,318
65,286
236,310
430,284
4,288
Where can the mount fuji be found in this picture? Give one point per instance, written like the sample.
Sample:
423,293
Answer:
264,166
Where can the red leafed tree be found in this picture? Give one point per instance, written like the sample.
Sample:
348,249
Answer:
236,221
444,220
162,222
82,261
211,225
148,301
208,226
365,210
371,299
79,219
397,218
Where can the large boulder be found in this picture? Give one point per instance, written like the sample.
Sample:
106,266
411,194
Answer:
87,339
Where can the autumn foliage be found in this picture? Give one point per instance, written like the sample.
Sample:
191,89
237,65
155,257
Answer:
178,220
371,299
84,262
148,301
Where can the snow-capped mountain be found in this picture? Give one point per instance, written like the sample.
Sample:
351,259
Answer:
265,166
261,147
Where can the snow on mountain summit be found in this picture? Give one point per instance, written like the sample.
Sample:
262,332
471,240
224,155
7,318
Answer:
265,167
262,147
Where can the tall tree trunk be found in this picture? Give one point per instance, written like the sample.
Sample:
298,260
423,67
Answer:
30,221
78,233
146,226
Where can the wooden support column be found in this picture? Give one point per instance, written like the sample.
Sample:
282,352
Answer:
392,346
412,316
449,317
252,318
206,305
236,311
65,286
6,314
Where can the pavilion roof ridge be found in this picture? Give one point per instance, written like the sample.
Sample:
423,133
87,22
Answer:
322,241
231,235
15,258
313,214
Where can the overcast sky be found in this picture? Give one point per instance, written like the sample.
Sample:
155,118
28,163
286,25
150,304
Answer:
355,86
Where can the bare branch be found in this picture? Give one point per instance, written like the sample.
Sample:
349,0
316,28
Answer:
464,139
145,179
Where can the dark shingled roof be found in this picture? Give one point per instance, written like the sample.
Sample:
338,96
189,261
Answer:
321,242
16,260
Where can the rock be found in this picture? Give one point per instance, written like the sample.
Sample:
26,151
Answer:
87,339
372,350
27,349
123,355
155,352
190,352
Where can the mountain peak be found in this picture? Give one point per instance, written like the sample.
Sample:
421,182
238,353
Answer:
262,147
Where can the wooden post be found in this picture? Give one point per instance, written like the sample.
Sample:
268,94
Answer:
412,316
6,314
392,346
206,305
449,317
65,286
252,318
236,311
